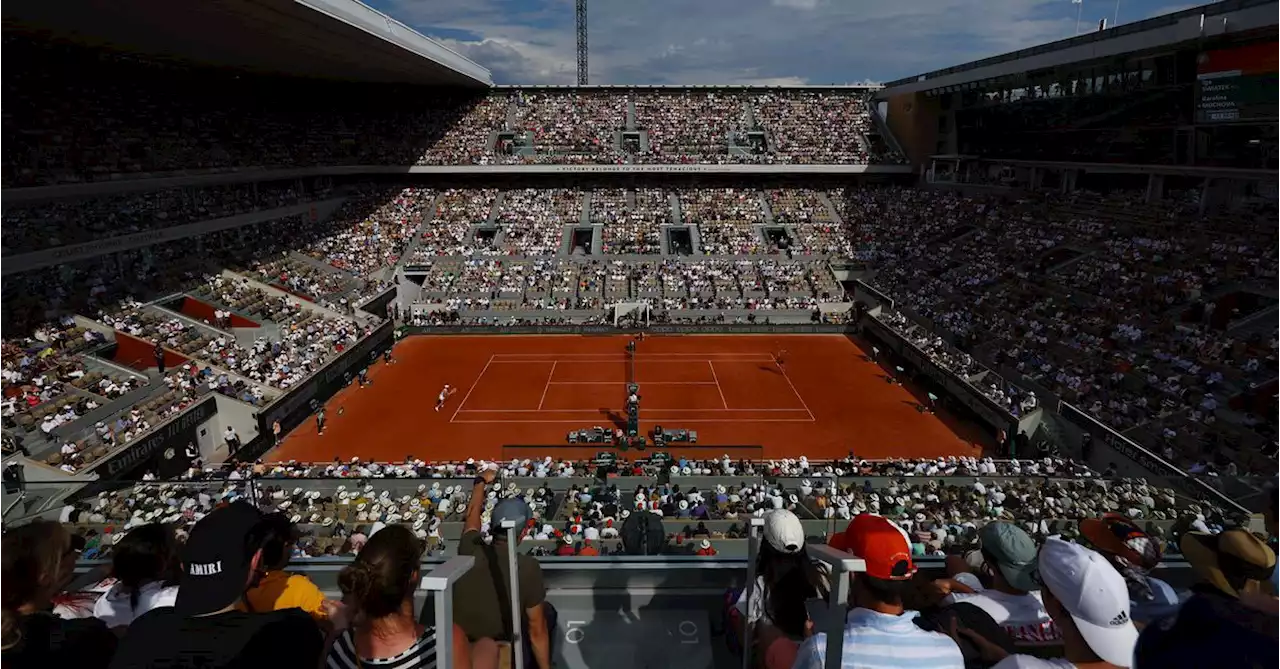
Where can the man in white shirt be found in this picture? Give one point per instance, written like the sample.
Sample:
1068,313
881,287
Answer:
1008,593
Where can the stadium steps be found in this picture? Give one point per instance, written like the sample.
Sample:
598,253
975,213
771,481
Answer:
677,216
831,206
323,266
208,297
492,220
428,217
765,208
273,291
585,218
873,110
631,114
513,114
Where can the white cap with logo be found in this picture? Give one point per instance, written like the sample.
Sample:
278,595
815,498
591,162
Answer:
1094,594
783,531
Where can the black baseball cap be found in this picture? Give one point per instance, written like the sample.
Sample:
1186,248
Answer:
216,561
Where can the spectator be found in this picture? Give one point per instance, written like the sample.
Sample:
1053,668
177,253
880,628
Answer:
879,631
207,627
787,577
277,589
1087,599
1134,555
1215,626
145,566
1008,588
481,604
705,549
379,586
1271,516
38,561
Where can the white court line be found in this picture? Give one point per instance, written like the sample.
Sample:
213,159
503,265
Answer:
597,411
793,387
720,390
548,386
638,355
682,420
682,361
469,390
644,383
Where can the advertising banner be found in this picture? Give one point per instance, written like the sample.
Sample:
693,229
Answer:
656,329
1147,461
171,436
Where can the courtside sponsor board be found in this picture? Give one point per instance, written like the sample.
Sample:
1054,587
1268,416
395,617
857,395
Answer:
175,434
293,408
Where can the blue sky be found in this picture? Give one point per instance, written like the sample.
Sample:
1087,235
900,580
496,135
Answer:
748,41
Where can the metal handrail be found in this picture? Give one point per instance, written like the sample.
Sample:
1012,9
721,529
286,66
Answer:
839,564
440,582
513,592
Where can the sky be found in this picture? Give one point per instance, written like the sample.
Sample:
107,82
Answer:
783,42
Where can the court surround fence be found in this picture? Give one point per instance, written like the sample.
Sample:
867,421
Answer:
654,329
291,409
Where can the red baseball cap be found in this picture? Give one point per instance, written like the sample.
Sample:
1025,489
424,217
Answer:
880,544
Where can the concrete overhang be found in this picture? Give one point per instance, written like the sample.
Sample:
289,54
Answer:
327,39
1216,20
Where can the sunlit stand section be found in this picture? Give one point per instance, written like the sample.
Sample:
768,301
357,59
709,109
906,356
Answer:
840,564
439,582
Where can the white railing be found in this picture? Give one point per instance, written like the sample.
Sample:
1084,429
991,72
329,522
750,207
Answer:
440,581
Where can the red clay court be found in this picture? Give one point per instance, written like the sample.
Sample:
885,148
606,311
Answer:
531,390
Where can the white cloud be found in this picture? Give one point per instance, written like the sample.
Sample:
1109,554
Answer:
735,41
795,4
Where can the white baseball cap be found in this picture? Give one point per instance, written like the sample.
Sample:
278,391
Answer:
783,531
1094,594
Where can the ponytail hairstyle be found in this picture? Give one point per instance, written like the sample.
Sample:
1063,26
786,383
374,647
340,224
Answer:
32,556
383,575
146,554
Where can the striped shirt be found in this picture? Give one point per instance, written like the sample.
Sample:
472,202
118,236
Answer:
880,641
421,655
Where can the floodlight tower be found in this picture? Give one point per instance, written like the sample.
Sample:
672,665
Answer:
581,12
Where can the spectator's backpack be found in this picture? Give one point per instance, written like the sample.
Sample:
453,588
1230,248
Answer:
642,534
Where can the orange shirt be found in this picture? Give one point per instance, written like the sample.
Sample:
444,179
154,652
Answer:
280,590
588,550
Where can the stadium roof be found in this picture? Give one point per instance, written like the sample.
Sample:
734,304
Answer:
1213,20
332,39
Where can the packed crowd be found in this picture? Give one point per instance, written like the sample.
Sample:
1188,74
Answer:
632,219
675,137
945,498
820,233
726,219
1106,301
199,573
532,220
570,126
281,122
45,224
449,234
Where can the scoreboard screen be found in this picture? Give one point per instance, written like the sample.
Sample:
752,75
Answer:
1237,84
